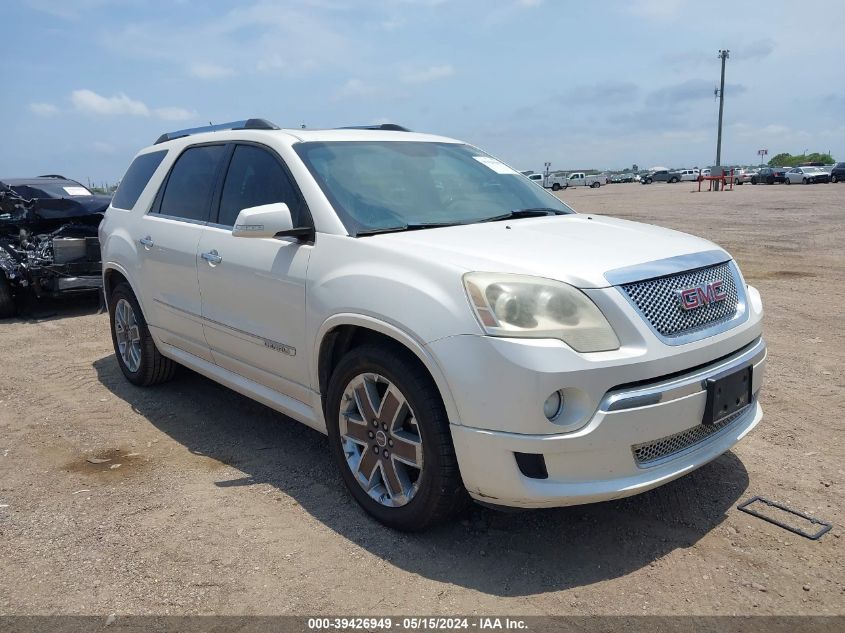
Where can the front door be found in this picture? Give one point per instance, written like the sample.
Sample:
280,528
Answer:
253,289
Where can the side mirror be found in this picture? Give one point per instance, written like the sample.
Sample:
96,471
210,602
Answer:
267,220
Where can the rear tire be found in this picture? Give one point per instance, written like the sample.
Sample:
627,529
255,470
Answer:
834,179
401,495
595,185
555,187
137,354
7,300
805,181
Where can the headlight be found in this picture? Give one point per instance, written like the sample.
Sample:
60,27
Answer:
533,307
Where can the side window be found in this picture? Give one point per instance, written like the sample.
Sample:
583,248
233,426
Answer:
136,179
255,177
187,193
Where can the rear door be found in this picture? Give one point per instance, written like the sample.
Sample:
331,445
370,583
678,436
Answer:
168,237
253,289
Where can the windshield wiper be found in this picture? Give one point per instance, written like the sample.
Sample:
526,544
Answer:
534,212
405,227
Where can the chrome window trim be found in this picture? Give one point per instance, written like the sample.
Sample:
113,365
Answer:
682,386
176,218
665,267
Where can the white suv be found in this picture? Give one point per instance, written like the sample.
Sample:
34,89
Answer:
451,326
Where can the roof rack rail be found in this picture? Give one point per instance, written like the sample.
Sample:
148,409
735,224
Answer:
392,127
59,176
246,124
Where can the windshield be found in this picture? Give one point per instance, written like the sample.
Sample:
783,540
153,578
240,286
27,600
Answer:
384,185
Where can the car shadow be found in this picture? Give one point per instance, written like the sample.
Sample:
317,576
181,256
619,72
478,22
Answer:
30,309
498,553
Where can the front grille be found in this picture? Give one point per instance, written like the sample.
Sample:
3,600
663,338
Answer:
649,452
658,302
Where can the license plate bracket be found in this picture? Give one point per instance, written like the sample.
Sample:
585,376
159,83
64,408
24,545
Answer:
727,393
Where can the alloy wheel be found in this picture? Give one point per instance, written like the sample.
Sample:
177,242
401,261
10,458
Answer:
128,335
381,440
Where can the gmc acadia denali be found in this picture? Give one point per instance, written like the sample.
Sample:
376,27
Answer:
453,328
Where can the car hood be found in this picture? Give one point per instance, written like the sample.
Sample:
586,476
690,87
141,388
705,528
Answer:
45,214
577,249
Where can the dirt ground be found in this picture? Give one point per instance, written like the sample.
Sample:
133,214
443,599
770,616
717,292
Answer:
219,505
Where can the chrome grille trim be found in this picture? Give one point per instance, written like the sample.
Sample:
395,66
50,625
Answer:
671,446
656,300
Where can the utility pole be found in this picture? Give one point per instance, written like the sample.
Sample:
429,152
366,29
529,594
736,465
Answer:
723,55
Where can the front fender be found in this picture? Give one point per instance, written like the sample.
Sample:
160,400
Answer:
408,340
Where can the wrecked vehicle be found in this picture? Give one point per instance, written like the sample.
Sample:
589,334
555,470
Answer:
48,240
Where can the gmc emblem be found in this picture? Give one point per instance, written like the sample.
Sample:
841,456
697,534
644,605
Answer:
702,295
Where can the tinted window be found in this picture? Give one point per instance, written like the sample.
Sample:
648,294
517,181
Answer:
136,178
187,193
255,177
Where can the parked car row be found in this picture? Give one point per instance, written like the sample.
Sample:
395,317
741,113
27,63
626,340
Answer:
809,174
556,182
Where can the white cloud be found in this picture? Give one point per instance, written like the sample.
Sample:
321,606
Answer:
92,103
89,101
43,109
431,73
205,70
175,114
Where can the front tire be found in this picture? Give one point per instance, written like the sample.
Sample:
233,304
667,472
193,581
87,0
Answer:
805,181
834,179
137,354
787,182
390,438
7,300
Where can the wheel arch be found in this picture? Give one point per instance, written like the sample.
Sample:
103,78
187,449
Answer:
343,332
114,274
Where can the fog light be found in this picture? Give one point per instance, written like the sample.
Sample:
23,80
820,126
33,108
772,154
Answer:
553,405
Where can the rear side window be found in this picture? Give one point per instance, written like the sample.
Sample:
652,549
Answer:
255,177
187,193
136,178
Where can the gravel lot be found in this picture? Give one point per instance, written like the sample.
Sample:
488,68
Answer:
220,505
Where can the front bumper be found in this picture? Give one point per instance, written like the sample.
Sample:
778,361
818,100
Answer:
598,462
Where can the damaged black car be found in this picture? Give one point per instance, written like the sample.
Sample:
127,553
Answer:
48,240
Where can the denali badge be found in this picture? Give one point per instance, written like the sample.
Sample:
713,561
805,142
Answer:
702,295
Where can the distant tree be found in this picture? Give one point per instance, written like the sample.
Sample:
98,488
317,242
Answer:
781,160
788,160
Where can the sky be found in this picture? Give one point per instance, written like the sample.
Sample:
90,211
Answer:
87,83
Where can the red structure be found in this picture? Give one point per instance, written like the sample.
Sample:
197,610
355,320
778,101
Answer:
724,177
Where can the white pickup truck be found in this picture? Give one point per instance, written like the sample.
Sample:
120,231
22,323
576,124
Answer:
580,179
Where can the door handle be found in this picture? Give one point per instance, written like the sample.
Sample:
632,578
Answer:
146,242
212,257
